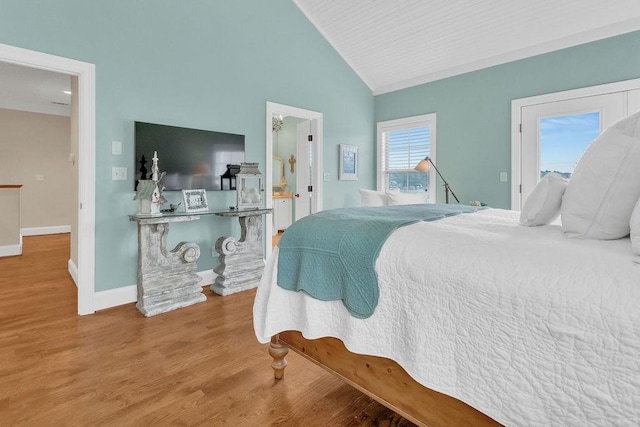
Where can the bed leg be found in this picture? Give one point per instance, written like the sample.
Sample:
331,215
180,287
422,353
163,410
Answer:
278,351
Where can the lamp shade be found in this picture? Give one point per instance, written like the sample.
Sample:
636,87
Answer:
422,166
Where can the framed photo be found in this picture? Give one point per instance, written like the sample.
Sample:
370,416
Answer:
195,200
348,162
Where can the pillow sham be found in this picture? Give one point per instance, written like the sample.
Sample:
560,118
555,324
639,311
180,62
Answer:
373,198
542,207
398,198
605,185
634,225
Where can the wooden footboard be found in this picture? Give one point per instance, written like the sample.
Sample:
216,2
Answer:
382,379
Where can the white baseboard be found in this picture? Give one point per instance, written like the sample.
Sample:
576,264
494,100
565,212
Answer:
208,277
73,271
115,297
11,250
129,294
37,231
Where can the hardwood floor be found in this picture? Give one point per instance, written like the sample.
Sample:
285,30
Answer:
200,365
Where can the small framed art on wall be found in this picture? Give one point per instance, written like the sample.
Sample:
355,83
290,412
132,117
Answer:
348,162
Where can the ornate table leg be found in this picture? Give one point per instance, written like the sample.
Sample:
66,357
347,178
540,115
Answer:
241,261
166,280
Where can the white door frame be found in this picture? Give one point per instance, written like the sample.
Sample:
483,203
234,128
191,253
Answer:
86,157
302,209
516,121
287,110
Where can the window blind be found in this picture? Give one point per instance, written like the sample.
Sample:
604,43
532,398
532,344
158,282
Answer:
402,144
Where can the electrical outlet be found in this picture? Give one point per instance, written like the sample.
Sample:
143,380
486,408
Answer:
39,177
118,174
503,177
327,176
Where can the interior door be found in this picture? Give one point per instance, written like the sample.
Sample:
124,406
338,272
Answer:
567,125
304,175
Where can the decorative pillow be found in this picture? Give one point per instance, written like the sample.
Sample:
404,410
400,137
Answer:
373,198
398,198
605,185
542,207
634,224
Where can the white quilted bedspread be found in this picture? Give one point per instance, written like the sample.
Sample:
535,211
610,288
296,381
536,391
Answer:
527,326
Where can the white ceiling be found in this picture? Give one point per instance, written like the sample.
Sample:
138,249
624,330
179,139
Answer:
393,44
31,89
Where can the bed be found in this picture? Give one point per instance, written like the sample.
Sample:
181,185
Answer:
483,321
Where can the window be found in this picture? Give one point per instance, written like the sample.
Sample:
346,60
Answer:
564,138
402,143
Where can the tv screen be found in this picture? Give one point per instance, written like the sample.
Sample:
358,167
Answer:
190,158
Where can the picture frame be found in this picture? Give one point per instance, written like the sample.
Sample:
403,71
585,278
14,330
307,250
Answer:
195,200
348,162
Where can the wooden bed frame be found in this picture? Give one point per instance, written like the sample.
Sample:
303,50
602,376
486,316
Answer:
382,379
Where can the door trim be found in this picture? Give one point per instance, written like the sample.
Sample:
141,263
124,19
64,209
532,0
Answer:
86,157
516,122
287,110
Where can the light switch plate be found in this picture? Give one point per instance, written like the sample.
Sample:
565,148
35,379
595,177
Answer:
116,148
503,177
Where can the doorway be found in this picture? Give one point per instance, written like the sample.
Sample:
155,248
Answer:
84,274
308,165
550,132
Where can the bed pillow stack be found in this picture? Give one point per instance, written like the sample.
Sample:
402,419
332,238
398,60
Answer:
542,207
391,198
605,185
406,198
373,198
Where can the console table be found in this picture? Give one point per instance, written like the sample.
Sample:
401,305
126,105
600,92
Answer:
166,280
241,261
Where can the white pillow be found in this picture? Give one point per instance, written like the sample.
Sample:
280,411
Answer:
634,224
605,185
398,198
373,198
542,207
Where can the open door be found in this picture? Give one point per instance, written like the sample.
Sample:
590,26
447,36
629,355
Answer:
308,166
304,177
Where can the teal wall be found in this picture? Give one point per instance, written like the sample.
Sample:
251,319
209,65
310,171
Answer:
194,63
474,109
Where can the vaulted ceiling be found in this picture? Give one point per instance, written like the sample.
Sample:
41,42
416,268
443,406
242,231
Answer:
393,44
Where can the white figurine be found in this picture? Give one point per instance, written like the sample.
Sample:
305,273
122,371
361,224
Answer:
154,167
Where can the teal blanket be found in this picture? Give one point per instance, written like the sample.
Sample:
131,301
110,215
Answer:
331,255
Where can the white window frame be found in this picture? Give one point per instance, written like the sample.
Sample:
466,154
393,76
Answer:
407,123
631,87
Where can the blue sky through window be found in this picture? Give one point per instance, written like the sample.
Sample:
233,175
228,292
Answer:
563,139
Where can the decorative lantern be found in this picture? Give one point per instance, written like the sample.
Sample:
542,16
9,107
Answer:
250,190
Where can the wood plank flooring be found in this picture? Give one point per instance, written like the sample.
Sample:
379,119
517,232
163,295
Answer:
200,365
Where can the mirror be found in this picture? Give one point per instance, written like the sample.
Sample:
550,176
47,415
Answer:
279,181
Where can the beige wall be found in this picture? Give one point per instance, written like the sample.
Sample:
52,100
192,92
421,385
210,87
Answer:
9,216
38,144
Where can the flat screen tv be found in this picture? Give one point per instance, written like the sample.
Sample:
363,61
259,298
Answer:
190,158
